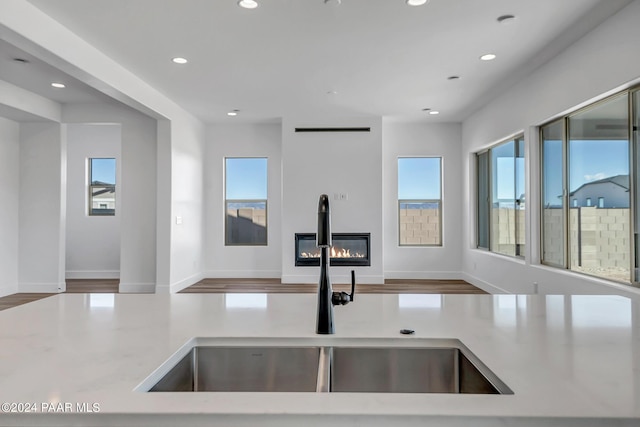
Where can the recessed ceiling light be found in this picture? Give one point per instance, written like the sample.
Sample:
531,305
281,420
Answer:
248,4
233,113
488,57
179,60
506,19
21,60
426,109
417,2
58,85
434,112
453,77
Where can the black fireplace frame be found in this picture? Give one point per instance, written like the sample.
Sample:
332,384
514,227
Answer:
334,262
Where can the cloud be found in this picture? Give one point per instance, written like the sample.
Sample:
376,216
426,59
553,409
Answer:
595,177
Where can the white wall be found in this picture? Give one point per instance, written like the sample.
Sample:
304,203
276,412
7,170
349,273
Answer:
9,194
187,238
242,140
42,208
93,242
326,162
137,189
602,62
414,140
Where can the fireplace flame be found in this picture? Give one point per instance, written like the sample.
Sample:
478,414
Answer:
335,253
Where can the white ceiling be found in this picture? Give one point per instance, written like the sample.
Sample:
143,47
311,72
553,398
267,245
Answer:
381,57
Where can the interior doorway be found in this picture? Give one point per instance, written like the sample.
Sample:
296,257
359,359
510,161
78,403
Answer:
93,204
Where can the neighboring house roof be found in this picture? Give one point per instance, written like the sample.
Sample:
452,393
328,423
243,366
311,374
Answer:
620,180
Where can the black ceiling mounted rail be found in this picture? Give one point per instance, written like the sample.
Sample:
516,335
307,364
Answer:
347,129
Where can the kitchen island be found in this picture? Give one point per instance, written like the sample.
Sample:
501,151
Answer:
77,359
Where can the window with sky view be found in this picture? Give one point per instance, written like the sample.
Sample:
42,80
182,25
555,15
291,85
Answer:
102,186
420,201
501,198
245,201
586,191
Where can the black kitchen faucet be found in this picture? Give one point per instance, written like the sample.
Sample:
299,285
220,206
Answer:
326,297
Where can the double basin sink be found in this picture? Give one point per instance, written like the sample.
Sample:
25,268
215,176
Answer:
384,366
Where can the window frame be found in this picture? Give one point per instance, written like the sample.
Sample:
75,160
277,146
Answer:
633,141
91,187
227,233
439,201
489,182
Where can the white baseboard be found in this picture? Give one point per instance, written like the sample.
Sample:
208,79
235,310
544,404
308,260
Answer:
92,274
242,274
485,286
46,288
416,275
182,284
8,290
137,288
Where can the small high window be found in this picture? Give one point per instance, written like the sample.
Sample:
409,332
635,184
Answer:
102,186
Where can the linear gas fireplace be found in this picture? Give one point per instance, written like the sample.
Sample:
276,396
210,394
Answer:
348,250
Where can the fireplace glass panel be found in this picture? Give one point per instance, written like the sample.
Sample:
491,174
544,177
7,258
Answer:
348,249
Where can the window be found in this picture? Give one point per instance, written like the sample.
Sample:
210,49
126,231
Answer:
501,198
102,186
245,201
584,156
553,224
420,201
484,200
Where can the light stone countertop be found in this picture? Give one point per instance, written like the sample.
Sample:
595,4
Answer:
570,360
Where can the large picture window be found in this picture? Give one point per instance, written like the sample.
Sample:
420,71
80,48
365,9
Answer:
420,201
102,186
586,191
501,198
245,201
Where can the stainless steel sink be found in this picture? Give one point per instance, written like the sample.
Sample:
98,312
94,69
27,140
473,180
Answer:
435,366
408,370
255,369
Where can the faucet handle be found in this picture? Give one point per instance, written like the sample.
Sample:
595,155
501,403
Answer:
342,298
353,285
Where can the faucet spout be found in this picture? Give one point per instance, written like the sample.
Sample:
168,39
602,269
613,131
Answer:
324,322
323,238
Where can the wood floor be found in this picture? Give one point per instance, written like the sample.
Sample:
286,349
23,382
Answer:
19,299
94,286
74,286
395,286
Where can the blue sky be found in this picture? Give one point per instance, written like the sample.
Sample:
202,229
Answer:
505,189
103,170
504,179
418,178
246,178
589,160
